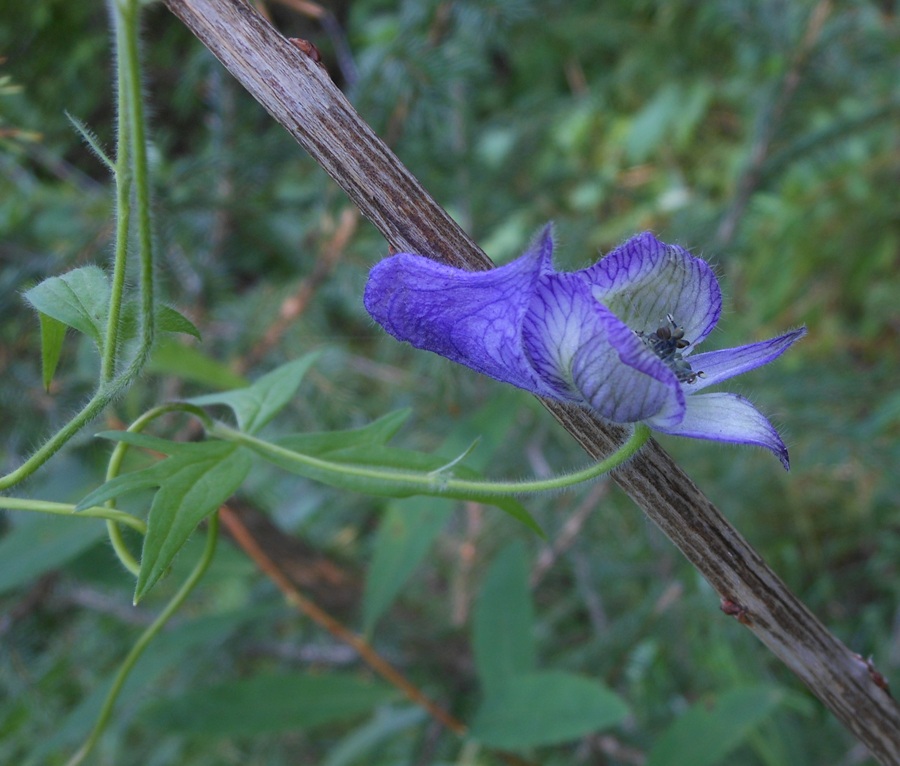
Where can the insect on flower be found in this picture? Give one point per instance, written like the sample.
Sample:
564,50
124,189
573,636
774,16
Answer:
667,343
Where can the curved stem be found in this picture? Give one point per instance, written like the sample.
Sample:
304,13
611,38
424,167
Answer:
146,637
96,405
121,549
115,464
430,482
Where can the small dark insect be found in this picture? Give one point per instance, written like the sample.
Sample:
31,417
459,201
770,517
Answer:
306,48
667,343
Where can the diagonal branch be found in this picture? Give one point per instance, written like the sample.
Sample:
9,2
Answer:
298,93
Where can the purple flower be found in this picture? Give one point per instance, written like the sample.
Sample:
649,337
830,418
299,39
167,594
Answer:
617,337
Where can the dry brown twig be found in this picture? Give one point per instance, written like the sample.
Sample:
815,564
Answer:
298,93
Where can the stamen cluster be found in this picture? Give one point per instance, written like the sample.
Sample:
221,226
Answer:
667,343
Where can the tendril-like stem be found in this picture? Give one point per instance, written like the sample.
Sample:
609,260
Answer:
430,482
147,636
115,463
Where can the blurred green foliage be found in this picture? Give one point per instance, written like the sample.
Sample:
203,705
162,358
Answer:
762,135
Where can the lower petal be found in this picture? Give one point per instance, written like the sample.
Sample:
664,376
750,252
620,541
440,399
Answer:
726,418
717,366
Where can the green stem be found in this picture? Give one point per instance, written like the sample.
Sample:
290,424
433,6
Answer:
128,10
146,637
114,531
115,464
123,179
132,124
68,509
96,405
431,482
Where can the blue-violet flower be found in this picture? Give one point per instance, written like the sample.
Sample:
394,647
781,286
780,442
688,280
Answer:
617,337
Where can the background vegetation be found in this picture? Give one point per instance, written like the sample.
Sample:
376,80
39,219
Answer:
762,135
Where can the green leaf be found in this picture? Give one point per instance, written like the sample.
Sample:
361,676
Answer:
708,732
405,534
257,404
170,320
79,299
269,703
545,708
53,332
193,491
193,482
503,622
173,358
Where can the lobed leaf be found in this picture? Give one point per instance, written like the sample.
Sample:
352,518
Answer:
193,481
321,443
257,404
192,491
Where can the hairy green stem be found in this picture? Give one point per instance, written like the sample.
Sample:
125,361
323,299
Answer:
94,407
147,636
432,482
68,509
123,179
132,125
129,13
